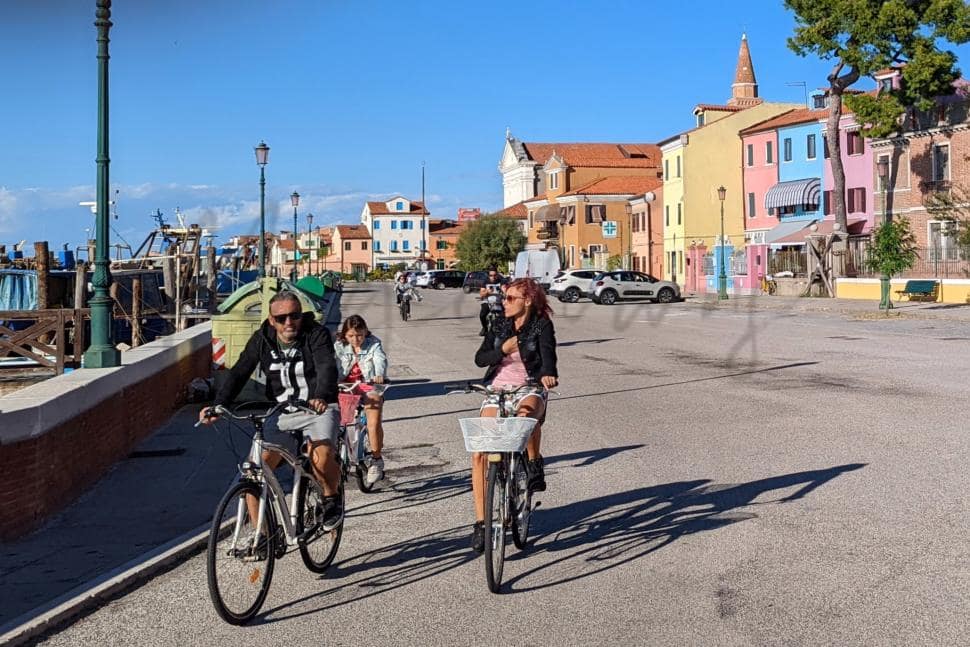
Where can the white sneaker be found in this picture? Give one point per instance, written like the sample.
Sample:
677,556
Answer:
376,471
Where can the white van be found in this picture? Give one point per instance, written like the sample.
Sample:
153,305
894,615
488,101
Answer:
541,265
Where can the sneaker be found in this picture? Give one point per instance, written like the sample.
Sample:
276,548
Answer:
478,537
537,475
333,513
376,471
244,549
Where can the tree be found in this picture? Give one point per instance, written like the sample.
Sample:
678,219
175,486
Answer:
893,250
864,36
489,241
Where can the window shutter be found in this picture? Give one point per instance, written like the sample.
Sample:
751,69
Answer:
826,203
862,199
571,215
851,199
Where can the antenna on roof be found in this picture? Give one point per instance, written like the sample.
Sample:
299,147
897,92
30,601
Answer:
804,86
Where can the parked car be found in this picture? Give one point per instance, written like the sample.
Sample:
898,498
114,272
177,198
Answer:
441,279
474,281
609,287
572,285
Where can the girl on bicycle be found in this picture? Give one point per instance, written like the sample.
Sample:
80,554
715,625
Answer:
361,358
519,350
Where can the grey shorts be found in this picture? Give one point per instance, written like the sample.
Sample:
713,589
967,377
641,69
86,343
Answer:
320,428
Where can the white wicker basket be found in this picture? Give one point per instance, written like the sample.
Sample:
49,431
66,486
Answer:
496,434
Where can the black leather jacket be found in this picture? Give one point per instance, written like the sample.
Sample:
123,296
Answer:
537,346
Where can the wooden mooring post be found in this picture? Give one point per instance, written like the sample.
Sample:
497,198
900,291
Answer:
210,276
42,265
136,311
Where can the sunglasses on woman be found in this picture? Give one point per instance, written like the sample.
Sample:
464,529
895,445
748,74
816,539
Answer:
292,316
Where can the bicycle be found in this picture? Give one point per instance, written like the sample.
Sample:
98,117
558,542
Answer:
355,450
496,307
508,500
404,300
243,553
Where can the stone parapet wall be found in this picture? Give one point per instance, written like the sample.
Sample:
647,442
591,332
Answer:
57,438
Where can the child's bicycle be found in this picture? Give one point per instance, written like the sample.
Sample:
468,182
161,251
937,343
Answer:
508,500
242,549
355,450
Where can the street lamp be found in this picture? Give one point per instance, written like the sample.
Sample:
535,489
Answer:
722,272
102,352
309,241
882,167
295,201
262,158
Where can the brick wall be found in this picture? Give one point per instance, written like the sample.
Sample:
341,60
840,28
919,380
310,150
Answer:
44,474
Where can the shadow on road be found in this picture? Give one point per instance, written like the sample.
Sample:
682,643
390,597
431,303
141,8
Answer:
591,456
598,534
566,344
416,492
400,390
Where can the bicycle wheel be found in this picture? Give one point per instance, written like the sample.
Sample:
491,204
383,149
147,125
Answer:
520,502
496,494
320,547
239,575
361,468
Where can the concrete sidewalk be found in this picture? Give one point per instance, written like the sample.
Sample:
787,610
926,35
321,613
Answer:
853,308
163,492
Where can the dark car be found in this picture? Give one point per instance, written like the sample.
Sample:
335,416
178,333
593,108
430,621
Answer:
441,279
474,281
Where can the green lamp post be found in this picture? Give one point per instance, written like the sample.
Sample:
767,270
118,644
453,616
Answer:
722,272
102,352
262,158
295,201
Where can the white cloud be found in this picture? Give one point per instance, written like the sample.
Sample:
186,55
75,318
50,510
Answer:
8,209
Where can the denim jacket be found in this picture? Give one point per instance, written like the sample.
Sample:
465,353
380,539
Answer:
372,360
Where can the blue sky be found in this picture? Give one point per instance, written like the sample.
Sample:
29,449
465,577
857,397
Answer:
351,96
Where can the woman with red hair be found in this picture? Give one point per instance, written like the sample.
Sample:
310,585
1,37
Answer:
519,350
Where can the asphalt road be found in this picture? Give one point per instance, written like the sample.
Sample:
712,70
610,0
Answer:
716,477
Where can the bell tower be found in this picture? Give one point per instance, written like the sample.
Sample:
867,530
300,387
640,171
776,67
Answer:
744,90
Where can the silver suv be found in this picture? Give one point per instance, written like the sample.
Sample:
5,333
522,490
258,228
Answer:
572,285
609,287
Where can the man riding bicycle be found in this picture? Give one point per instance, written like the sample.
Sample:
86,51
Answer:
297,356
492,296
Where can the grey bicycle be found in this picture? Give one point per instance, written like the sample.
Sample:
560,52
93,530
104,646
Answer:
253,525
508,500
355,449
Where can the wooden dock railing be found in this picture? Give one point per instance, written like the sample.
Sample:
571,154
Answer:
48,340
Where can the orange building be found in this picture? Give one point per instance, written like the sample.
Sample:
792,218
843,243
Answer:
442,241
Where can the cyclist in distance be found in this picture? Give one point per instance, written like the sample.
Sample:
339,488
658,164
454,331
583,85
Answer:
297,356
491,296
520,350
404,286
361,358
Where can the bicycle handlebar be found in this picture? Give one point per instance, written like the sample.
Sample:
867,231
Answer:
472,387
220,411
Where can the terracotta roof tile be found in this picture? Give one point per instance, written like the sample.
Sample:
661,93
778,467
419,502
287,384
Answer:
446,227
790,118
719,108
618,185
517,210
353,232
597,155
380,209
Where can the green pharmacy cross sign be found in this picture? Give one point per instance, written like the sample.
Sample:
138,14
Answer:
609,229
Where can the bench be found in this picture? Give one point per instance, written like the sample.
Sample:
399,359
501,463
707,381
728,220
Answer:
920,290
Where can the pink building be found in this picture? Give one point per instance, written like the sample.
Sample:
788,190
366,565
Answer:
858,163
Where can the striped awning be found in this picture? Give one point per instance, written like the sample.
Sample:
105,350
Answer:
794,193
548,213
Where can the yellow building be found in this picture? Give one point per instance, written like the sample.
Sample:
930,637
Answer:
695,164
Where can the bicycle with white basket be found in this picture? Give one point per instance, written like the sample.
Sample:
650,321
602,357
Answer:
508,500
354,441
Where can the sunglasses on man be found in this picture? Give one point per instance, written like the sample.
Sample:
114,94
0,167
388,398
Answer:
292,316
